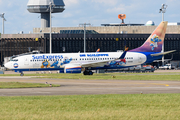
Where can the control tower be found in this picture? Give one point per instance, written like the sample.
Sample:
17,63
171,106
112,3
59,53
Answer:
42,6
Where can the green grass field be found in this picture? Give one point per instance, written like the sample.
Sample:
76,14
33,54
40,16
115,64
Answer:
118,76
92,107
4,85
110,76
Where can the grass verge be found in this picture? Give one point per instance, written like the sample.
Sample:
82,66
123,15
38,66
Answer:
117,76
5,85
92,107
111,76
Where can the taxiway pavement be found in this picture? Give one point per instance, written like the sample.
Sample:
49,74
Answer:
86,87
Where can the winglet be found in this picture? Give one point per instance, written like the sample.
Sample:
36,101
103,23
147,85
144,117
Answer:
98,50
124,53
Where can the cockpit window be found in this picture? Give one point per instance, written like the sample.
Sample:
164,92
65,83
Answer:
15,60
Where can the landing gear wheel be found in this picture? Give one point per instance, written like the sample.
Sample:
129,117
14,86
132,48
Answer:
85,72
88,73
22,74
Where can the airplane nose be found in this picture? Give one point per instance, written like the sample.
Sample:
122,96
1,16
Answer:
7,65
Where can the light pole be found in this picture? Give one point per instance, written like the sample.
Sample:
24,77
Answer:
50,40
163,10
50,36
84,25
3,19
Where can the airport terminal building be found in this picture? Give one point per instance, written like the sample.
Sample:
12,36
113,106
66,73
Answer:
71,40
107,37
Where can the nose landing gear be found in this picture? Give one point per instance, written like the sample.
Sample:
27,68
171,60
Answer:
22,74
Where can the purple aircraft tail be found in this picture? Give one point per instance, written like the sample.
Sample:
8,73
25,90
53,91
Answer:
155,41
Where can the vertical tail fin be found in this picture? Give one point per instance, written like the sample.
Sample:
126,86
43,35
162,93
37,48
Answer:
155,41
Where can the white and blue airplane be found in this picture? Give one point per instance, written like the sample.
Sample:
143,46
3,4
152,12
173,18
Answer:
86,62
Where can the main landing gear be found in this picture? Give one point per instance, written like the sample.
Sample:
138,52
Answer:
88,72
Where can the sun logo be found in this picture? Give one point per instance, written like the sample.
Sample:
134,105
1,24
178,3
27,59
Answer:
16,65
154,41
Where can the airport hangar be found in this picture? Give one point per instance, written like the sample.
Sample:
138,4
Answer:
71,40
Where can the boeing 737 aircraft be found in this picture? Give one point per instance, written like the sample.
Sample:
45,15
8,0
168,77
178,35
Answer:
86,62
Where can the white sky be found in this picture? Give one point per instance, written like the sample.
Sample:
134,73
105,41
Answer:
96,12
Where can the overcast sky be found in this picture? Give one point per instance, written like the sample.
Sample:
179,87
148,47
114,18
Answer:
96,12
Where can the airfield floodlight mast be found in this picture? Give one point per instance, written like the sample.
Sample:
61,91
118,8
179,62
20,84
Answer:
84,25
163,10
3,19
50,40
50,34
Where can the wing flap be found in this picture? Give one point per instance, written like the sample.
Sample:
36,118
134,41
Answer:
97,63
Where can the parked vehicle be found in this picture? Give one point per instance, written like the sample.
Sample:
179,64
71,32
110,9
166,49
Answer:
148,68
167,66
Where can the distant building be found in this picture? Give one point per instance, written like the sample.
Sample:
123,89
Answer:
175,23
119,24
117,28
14,44
42,6
150,23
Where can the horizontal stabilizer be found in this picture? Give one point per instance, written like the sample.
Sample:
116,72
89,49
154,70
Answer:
163,53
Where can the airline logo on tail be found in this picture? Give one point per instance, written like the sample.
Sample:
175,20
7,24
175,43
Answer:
154,41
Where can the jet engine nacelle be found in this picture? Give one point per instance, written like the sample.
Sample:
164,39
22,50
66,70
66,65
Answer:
72,69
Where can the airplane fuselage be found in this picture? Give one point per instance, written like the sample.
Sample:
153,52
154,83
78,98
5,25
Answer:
63,61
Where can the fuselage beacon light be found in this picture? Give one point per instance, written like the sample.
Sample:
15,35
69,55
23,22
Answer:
86,62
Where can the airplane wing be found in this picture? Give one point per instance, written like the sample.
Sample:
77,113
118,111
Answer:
102,63
97,63
163,53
